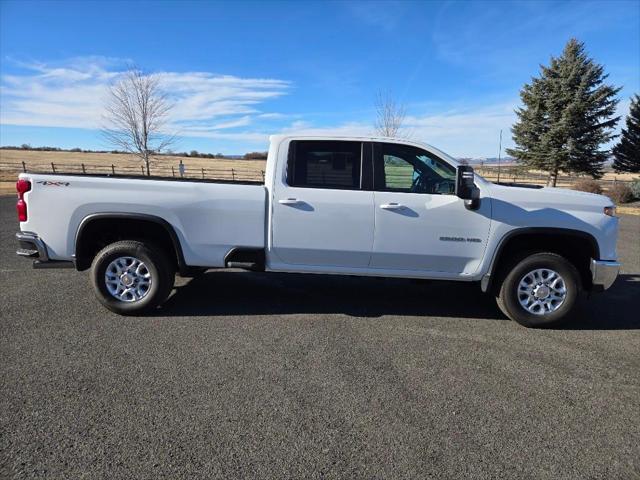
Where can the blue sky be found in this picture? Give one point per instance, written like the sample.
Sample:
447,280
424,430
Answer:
239,71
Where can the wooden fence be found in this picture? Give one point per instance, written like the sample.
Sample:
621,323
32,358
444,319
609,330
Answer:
10,170
512,174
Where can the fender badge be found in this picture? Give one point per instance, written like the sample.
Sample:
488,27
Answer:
48,183
460,239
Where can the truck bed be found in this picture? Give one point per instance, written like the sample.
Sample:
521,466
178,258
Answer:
210,217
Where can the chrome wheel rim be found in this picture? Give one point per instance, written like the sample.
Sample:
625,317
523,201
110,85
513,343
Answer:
128,279
542,291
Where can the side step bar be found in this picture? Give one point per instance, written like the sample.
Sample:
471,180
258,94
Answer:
53,264
245,266
246,258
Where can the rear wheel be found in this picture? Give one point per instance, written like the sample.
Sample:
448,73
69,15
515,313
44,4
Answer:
539,290
130,277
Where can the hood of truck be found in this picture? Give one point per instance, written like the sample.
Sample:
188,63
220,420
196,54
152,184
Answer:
532,198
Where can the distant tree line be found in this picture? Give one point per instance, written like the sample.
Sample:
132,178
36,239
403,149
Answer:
26,146
195,154
255,156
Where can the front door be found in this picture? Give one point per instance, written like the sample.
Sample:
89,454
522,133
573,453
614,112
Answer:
322,216
420,224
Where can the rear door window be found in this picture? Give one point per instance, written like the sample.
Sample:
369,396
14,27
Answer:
325,164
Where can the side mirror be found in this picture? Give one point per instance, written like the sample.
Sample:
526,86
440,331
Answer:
466,189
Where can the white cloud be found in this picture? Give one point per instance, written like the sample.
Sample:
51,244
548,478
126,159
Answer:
468,132
474,132
238,122
73,95
346,129
461,133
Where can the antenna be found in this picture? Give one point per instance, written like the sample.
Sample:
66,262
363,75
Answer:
499,151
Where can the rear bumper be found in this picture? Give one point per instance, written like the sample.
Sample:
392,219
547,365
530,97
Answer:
32,246
604,273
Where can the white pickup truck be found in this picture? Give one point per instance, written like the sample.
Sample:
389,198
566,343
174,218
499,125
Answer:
334,205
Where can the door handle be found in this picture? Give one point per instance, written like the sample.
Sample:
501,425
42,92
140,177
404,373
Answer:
391,206
288,201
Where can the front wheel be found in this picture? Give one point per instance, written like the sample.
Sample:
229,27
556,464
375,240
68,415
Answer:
540,290
130,277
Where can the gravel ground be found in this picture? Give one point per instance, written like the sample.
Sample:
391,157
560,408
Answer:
247,375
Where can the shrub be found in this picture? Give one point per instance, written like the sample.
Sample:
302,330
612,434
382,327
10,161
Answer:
620,193
635,188
255,155
588,185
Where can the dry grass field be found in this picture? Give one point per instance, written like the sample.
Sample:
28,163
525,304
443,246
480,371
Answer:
511,174
209,168
36,161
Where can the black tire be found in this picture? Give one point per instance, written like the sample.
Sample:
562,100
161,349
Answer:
508,301
156,262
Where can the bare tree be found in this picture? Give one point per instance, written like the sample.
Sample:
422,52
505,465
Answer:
136,112
390,116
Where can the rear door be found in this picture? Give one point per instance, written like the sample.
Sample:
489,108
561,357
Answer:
322,206
420,224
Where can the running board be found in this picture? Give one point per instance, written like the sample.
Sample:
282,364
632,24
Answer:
245,266
38,264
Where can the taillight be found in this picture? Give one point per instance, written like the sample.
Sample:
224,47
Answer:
22,187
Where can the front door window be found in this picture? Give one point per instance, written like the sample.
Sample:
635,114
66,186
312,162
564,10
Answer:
412,170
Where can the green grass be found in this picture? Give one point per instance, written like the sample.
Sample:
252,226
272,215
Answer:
399,176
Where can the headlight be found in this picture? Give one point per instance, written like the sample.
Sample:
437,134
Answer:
611,211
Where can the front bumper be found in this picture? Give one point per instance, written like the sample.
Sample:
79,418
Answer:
604,273
32,246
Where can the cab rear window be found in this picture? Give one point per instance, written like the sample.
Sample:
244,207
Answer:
324,164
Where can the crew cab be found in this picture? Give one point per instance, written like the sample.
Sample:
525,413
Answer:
334,205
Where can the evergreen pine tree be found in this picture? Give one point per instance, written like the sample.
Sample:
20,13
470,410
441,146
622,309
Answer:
627,152
567,115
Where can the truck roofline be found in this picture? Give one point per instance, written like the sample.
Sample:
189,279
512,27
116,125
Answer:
277,139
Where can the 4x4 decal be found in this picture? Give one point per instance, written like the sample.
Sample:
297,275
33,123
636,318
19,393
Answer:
48,183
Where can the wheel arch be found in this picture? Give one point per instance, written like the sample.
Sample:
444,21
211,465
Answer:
143,225
553,239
